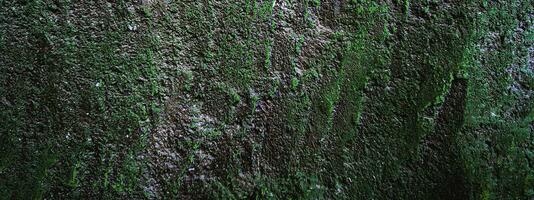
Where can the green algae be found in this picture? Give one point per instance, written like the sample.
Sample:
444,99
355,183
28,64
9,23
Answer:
398,99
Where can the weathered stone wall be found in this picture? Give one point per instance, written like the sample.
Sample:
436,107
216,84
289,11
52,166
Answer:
271,99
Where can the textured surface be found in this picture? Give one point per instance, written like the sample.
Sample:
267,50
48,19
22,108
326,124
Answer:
272,99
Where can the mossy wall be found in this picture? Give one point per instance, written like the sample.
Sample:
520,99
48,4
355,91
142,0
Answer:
270,99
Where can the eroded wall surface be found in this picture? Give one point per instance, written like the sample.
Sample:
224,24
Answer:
271,99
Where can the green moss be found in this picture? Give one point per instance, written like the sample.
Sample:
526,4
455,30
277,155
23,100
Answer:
353,102
294,83
498,150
